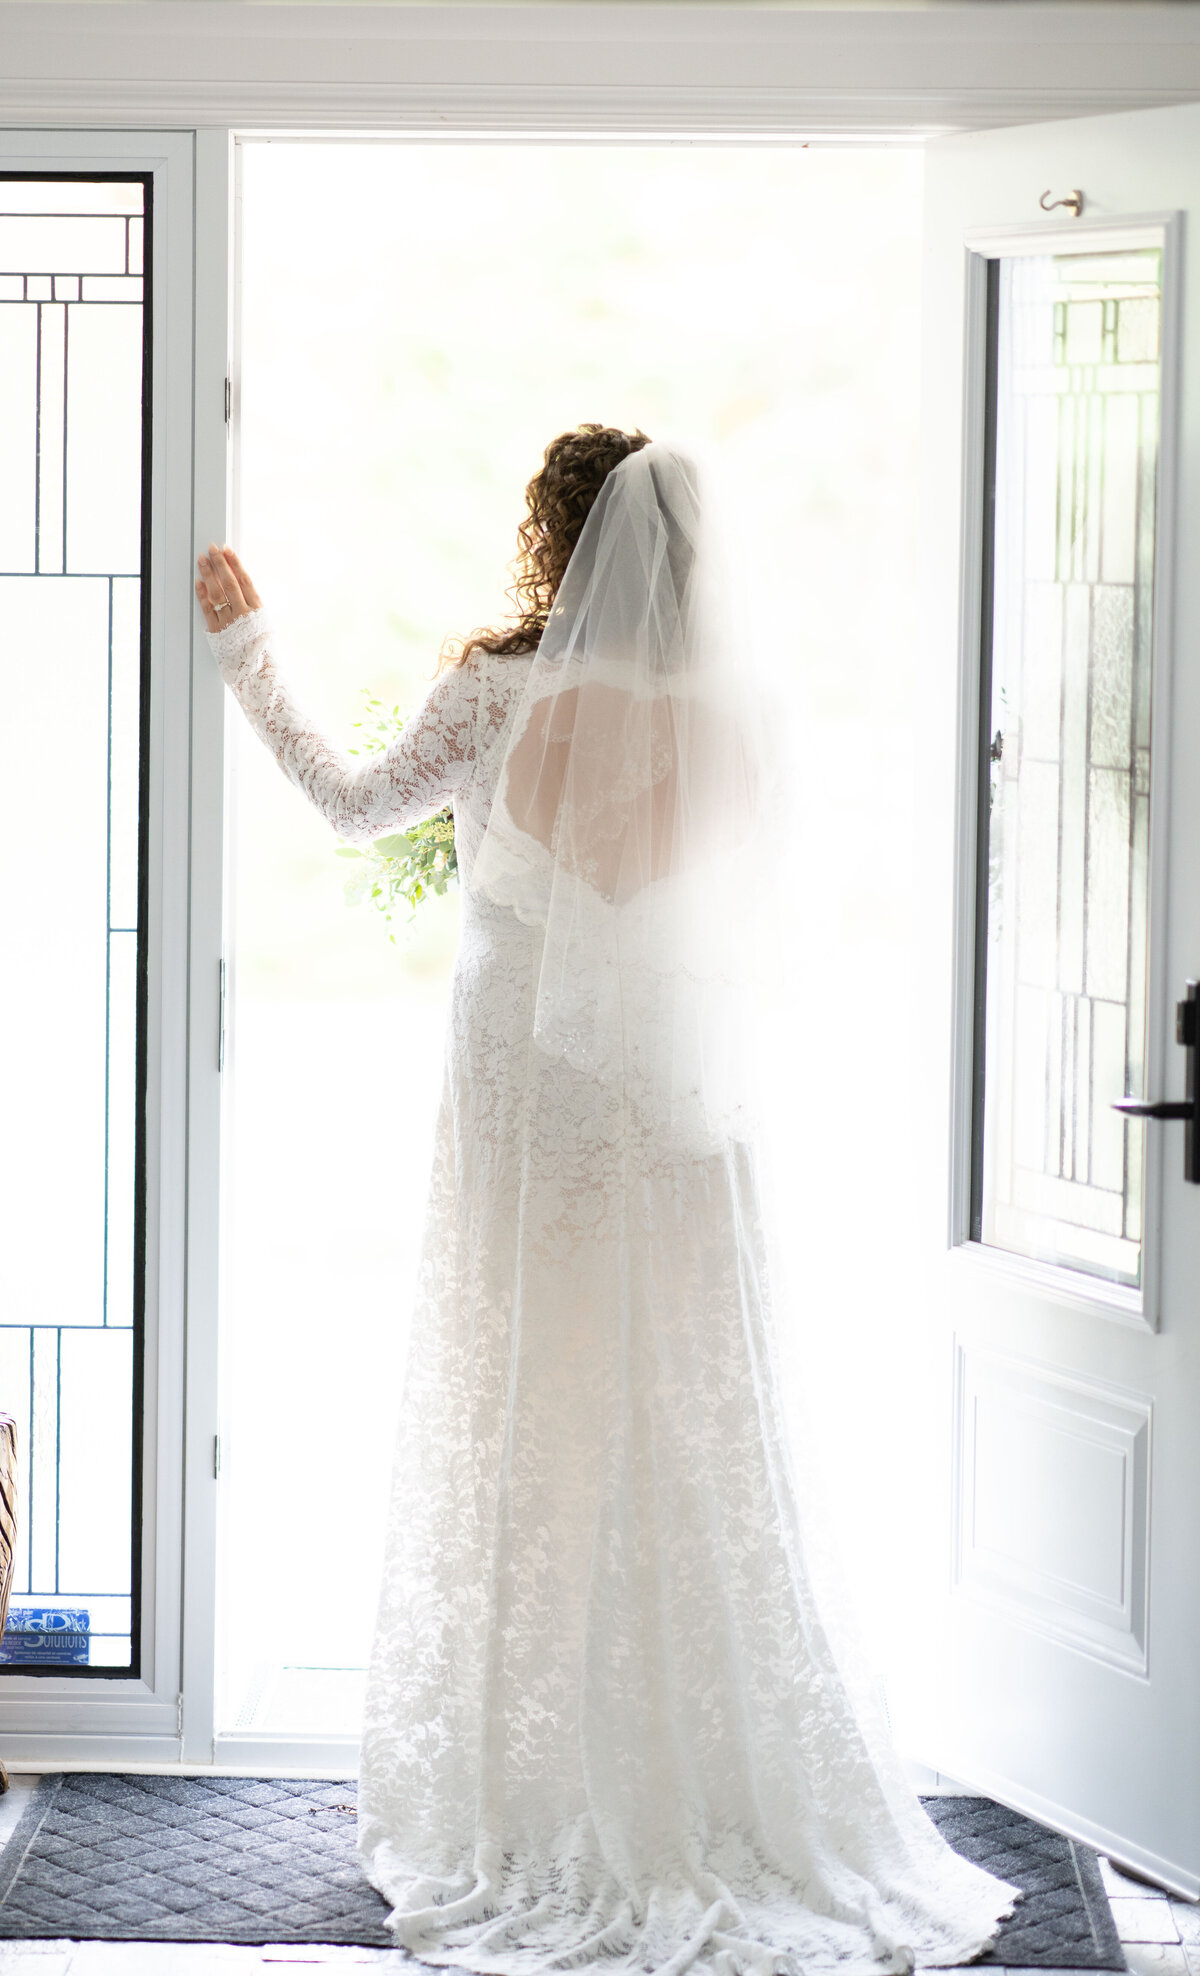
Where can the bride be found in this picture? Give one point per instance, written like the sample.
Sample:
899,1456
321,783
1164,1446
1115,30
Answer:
606,1720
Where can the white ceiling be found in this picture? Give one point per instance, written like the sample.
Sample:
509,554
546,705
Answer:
579,68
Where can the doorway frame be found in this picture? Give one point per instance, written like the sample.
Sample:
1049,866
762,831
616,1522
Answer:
550,73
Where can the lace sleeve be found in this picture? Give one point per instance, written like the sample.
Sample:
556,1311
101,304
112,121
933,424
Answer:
424,768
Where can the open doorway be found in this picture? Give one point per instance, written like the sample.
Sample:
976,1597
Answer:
417,321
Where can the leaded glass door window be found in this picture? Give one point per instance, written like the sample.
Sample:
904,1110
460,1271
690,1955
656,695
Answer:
1073,406
74,438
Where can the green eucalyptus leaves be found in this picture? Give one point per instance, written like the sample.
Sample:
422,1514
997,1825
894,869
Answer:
406,865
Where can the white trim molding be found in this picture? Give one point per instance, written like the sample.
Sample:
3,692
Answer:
209,522
564,70
1057,1419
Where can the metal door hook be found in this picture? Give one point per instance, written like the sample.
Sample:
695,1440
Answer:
1073,201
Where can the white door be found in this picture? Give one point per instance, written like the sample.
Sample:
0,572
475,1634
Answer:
1060,811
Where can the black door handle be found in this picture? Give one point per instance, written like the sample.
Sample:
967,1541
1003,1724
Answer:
1187,1030
1165,1108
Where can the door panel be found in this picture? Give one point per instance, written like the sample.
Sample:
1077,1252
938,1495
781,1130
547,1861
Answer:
1061,921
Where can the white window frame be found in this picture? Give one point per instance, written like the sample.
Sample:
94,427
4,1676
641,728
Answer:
1134,1305
100,86
104,1721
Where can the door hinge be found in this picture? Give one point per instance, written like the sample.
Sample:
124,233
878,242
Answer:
216,1457
228,399
221,1015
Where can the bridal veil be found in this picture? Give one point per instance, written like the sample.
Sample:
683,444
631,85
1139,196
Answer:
629,810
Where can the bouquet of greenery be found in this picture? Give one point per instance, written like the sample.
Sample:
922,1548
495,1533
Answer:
407,864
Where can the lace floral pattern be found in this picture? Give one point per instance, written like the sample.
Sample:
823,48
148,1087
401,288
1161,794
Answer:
612,1717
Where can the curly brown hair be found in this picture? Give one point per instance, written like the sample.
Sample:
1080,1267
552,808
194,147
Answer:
560,497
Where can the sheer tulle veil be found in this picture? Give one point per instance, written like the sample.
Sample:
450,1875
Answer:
628,806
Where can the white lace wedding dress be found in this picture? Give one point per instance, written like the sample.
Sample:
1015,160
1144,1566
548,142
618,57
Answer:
605,1723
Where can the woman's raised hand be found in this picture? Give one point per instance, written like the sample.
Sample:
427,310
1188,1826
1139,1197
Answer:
223,590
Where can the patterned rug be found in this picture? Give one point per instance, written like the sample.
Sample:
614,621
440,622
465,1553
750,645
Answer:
1064,1920
271,1859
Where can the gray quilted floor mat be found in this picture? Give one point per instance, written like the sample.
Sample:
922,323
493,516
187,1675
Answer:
189,1859
260,1859
1064,1920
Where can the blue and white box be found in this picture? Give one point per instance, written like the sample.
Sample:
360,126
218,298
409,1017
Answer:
46,1633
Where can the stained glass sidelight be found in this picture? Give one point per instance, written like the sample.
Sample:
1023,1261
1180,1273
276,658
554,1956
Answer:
73,437
1074,383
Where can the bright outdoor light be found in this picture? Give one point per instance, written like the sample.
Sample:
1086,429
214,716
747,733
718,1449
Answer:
418,321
